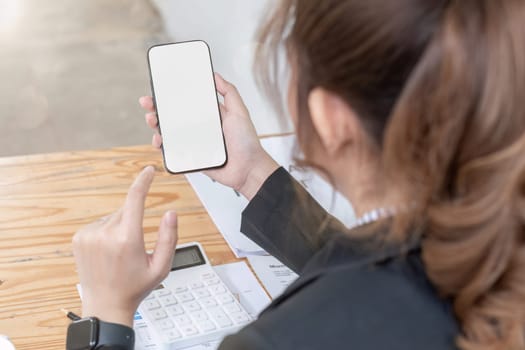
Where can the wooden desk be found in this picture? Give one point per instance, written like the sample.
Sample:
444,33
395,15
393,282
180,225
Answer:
45,199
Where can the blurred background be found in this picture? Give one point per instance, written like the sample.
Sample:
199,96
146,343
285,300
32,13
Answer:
72,71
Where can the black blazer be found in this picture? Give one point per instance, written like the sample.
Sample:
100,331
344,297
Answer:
350,294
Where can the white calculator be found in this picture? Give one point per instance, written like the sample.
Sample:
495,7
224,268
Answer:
192,305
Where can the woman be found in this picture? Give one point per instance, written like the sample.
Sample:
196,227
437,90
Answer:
415,111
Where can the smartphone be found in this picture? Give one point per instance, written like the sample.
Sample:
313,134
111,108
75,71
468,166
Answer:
184,94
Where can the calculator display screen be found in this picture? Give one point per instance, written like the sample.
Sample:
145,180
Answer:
187,257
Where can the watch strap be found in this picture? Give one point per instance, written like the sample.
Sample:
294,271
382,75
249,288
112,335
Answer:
115,336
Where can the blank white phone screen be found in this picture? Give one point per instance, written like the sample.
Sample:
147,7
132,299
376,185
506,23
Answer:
187,107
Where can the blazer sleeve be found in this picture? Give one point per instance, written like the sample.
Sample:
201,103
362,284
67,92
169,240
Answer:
287,222
248,339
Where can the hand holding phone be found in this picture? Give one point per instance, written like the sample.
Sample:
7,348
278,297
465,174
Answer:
248,163
187,106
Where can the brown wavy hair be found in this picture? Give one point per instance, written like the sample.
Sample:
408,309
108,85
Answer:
440,87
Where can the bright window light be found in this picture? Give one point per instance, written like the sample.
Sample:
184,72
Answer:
10,11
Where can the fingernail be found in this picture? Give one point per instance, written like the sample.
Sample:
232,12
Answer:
141,99
171,218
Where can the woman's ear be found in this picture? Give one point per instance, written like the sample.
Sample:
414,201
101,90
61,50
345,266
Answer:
335,122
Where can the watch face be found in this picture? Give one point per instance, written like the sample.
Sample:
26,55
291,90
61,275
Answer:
82,334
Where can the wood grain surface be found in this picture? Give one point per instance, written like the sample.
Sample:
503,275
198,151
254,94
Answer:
45,199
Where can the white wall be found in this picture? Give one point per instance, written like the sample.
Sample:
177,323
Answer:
228,26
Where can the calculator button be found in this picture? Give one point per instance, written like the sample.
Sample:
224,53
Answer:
201,293
166,324
207,275
152,304
144,335
224,298
220,317
150,296
158,314
181,289
240,317
171,335
206,326
217,289
197,285
163,292
184,297
208,302
175,310
168,300
182,320
212,281
231,308
192,306
199,316
189,330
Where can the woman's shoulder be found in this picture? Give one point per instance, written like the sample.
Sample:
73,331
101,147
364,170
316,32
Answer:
381,306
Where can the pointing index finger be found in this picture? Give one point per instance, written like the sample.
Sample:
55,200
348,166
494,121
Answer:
133,211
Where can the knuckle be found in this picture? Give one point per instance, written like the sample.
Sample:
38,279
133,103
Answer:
228,85
122,242
77,239
80,237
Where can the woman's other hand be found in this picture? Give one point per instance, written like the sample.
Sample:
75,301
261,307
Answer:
248,165
114,269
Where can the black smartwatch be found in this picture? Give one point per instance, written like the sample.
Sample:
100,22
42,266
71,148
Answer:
91,333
